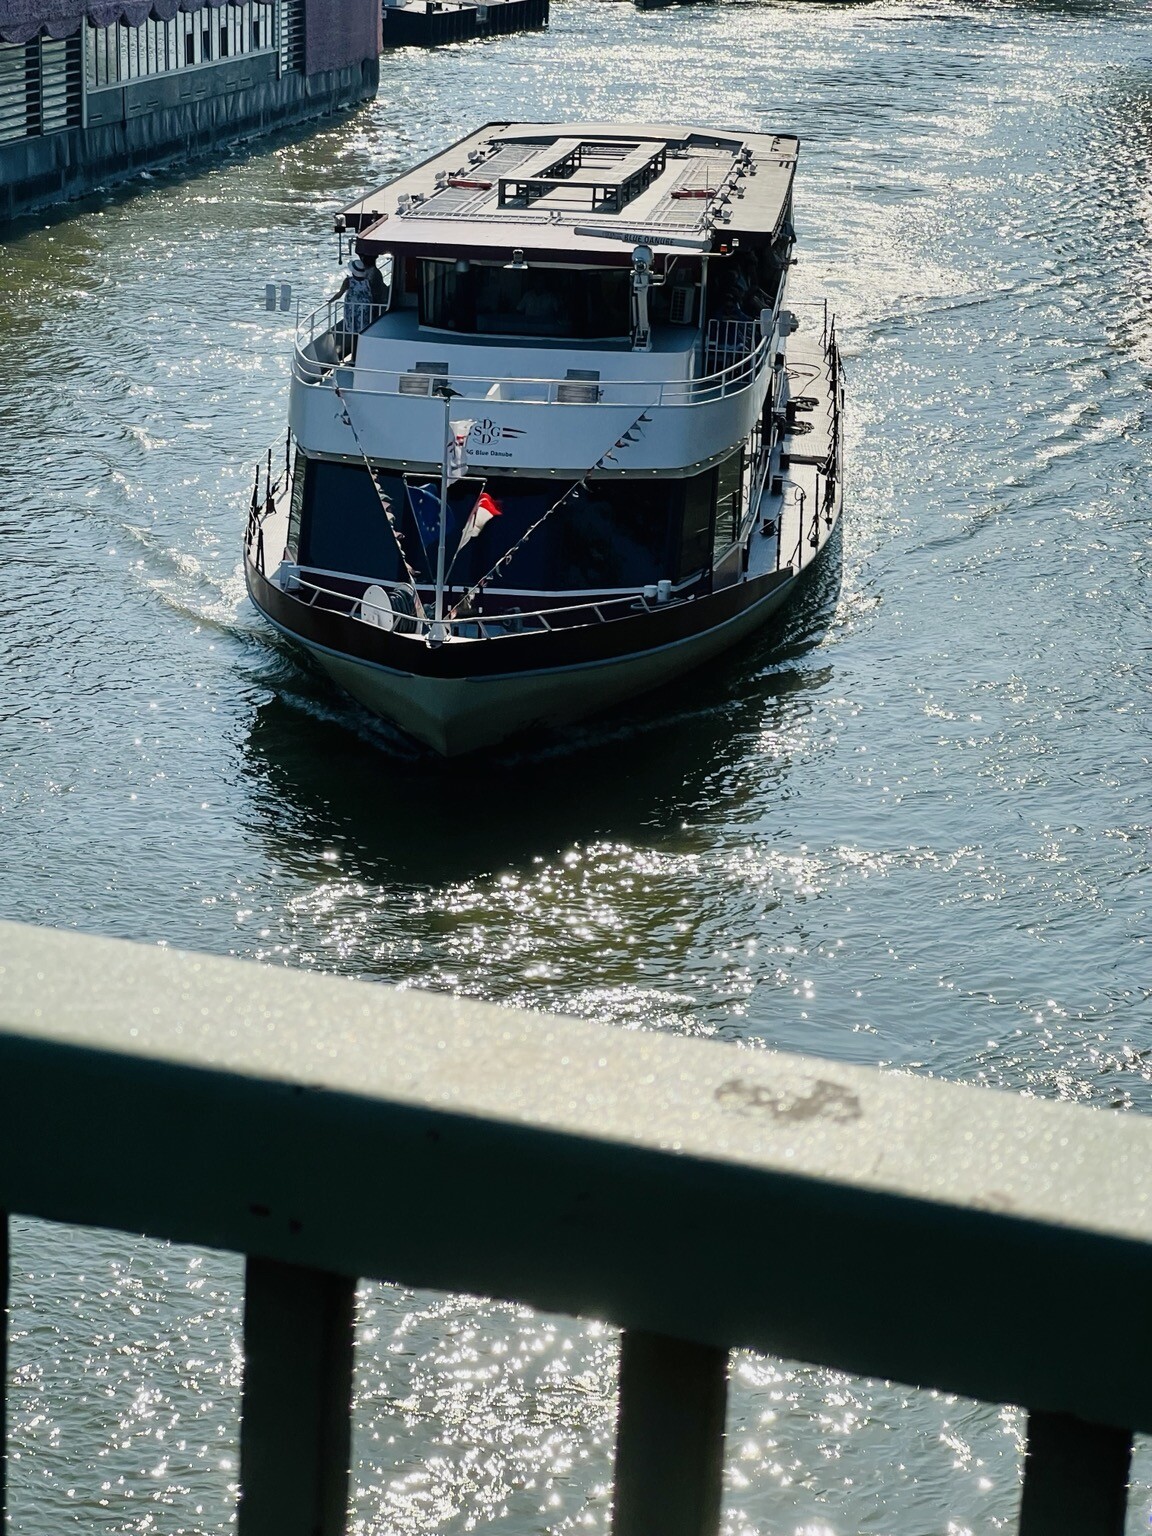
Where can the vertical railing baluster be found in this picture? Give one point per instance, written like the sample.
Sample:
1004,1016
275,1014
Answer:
3,1368
295,1431
1075,1477
669,1437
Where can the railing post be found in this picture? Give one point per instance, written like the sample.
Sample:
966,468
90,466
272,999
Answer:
3,1367
295,1431
1075,1477
669,1437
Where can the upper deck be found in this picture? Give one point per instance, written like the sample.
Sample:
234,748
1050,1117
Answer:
612,270
562,192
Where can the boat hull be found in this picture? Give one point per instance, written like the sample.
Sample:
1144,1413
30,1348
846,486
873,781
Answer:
452,701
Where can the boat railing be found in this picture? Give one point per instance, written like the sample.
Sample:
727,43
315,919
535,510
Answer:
823,501
273,481
728,343
700,1197
317,362
315,589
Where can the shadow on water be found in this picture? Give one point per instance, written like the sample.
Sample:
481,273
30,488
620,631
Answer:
326,775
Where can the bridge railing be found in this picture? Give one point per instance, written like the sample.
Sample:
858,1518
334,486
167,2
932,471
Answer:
700,1196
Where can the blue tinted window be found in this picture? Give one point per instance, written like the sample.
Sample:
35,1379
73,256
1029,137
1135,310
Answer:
525,301
605,534
343,526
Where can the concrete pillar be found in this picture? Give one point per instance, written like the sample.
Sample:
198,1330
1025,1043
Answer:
295,1430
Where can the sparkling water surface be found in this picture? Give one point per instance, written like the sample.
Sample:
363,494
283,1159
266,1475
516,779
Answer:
910,828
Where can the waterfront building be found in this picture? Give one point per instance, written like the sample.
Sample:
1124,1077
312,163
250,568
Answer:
91,92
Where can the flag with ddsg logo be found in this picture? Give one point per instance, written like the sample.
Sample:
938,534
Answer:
457,443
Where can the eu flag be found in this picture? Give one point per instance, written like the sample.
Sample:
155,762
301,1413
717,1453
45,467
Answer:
425,503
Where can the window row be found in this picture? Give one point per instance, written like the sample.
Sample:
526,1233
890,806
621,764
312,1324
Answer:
121,53
498,300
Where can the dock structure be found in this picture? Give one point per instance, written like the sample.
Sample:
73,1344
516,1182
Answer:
678,1188
93,91
427,23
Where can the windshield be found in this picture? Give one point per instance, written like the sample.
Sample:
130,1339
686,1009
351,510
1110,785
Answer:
525,301
604,535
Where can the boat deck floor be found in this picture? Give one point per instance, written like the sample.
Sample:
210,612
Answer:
791,535
809,390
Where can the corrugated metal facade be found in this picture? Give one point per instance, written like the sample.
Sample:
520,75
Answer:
21,20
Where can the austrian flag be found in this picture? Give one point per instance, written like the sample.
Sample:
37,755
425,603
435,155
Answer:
478,519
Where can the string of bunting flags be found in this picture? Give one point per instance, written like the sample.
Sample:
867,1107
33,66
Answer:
385,504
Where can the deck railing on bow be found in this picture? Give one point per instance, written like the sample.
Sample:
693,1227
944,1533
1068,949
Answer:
663,1184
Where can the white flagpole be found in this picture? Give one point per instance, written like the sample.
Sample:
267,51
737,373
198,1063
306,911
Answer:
437,635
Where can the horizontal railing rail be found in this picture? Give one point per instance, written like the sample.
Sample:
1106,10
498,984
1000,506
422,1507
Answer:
700,1196
325,372
304,584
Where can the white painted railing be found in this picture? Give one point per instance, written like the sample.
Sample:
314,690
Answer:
311,588
314,363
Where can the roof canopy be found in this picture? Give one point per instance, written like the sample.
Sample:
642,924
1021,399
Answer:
565,192
21,20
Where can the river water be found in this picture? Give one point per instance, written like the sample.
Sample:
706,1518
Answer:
911,830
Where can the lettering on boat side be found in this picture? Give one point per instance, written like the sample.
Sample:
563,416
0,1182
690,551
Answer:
484,432
824,1100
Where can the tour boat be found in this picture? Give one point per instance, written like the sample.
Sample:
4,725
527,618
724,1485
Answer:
578,446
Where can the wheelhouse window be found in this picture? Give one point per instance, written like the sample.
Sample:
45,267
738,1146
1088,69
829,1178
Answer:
341,524
489,299
696,525
729,501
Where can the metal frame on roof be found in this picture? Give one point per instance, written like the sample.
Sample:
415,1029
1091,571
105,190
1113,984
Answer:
533,188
